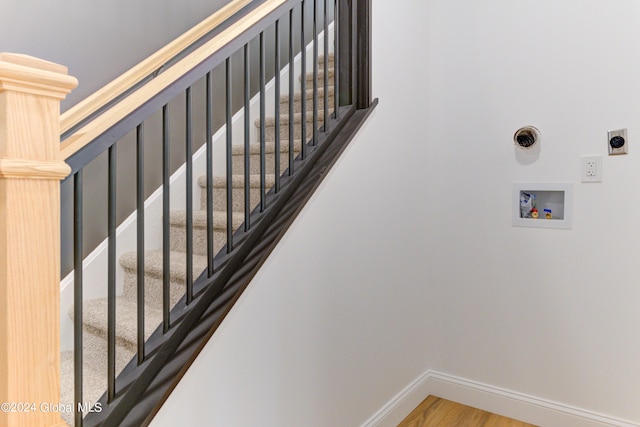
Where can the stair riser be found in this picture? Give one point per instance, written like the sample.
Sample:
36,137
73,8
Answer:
270,161
179,240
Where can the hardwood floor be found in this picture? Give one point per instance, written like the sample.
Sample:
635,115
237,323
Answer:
436,412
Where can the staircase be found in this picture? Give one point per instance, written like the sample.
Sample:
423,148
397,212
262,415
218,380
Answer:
95,311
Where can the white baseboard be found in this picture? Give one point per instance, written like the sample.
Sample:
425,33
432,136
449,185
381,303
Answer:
508,403
402,404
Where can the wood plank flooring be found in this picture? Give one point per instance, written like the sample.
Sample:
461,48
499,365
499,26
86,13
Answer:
437,412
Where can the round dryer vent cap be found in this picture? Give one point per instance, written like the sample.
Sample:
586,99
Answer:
526,137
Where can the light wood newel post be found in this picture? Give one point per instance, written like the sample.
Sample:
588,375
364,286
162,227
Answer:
30,172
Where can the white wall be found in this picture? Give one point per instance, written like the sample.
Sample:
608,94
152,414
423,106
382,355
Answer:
543,313
332,325
548,313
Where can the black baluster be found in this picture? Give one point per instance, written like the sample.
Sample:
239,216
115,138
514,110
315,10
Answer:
166,226
291,94
229,158
263,178
303,85
315,73
209,150
189,195
140,237
77,294
326,69
111,276
276,156
336,59
247,140
362,55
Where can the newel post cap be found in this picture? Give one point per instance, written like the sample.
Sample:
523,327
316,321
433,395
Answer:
24,73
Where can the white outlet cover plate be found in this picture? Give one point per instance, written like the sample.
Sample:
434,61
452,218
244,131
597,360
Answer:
597,161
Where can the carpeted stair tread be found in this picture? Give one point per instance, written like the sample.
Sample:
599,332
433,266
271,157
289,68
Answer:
153,264
153,275
179,218
297,106
309,79
199,232
269,148
94,318
94,371
238,157
308,95
238,191
237,181
297,118
321,58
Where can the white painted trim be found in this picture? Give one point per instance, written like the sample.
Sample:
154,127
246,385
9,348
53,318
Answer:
402,404
498,400
95,264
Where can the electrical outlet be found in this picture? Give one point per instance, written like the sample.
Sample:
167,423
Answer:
591,168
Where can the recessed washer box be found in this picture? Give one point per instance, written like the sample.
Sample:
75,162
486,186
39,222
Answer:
554,197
